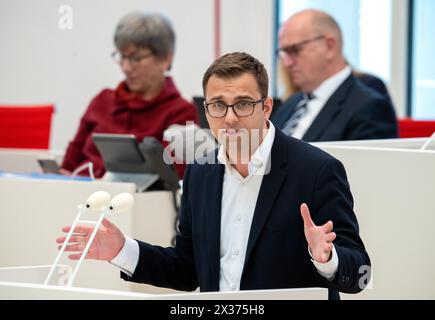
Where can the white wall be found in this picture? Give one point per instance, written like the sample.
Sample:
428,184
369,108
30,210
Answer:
248,25
41,63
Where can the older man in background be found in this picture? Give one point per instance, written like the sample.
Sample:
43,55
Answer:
332,105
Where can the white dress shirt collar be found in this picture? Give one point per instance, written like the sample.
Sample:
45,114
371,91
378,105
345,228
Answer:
330,85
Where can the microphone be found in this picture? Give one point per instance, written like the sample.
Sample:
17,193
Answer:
97,200
121,202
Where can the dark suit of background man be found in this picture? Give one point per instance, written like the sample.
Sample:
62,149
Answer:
276,215
341,107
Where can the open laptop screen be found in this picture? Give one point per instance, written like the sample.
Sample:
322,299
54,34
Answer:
120,153
123,156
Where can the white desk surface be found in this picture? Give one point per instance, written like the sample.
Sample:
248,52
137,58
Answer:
10,290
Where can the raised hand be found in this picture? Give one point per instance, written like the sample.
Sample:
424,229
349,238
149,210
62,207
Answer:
319,238
107,243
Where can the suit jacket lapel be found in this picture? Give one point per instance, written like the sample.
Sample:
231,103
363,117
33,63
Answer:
213,182
328,112
268,191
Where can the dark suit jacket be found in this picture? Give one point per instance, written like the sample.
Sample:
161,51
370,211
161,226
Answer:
277,252
374,83
354,112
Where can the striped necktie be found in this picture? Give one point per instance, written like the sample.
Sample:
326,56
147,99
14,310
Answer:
300,110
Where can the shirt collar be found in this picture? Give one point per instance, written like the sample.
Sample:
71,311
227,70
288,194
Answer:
260,160
328,87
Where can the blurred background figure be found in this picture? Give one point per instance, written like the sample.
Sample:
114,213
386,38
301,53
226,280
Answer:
145,103
373,82
287,86
332,104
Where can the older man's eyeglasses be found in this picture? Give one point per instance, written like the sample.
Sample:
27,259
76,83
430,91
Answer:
243,108
294,49
133,60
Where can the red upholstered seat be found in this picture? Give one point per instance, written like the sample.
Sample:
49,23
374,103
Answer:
25,126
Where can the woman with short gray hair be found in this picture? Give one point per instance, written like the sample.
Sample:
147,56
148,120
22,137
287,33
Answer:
153,31
146,102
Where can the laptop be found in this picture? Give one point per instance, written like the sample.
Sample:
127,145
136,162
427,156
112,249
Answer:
126,160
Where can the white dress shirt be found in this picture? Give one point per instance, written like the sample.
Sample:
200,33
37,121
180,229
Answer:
321,96
239,198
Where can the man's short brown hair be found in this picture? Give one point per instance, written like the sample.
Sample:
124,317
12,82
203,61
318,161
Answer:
236,64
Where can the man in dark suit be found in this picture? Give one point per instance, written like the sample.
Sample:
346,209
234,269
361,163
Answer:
333,105
268,211
374,83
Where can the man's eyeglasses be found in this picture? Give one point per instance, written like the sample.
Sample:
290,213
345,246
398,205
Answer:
294,49
133,60
219,109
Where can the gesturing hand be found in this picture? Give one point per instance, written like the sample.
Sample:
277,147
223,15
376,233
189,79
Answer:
107,243
319,238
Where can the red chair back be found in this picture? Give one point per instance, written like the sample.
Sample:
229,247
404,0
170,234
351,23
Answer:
409,128
25,126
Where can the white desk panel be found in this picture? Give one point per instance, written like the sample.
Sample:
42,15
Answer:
393,188
32,213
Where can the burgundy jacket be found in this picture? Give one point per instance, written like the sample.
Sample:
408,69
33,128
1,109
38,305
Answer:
121,111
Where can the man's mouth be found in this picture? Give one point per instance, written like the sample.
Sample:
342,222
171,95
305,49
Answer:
232,131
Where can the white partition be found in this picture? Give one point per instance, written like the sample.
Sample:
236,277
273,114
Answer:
32,213
408,144
17,291
36,274
393,185
27,283
25,160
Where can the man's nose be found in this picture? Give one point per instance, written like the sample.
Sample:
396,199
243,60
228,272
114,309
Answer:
231,116
287,61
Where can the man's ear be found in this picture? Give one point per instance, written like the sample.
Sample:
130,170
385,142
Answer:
267,107
332,46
